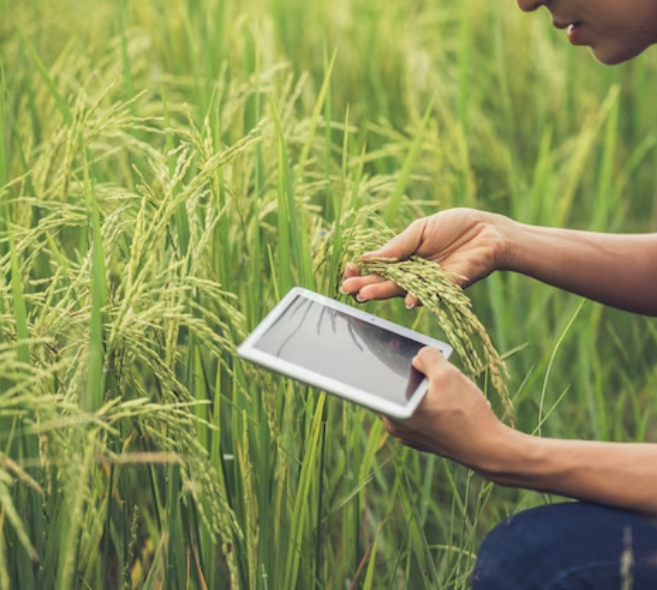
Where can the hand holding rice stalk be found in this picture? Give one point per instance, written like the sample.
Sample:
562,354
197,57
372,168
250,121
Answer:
440,292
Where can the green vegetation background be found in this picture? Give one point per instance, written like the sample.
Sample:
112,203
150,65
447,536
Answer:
169,169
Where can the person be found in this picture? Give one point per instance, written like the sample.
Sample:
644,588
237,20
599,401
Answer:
608,537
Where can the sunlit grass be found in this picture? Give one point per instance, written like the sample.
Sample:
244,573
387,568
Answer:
169,170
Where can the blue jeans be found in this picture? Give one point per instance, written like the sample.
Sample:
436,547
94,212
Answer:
574,546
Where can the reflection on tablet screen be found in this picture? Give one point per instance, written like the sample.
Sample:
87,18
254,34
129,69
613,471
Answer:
347,349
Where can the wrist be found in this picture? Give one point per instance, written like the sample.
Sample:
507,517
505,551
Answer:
511,458
512,232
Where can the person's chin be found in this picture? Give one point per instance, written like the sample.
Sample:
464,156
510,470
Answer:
612,56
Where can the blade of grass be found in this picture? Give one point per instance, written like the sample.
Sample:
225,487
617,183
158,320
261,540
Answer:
371,566
4,134
314,121
61,104
421,547
548,372
128,82
465,59
289,247
407,169
300,506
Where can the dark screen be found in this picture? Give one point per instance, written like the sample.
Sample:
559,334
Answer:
344,348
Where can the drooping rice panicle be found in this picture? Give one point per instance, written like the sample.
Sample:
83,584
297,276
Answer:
438,291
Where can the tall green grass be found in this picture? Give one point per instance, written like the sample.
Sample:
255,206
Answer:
169,170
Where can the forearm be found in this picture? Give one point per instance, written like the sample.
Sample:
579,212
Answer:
616,474
616,270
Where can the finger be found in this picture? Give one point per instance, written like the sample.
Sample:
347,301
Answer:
351,270
429,360
380,290
358,282
353,285
386,423
371,287
411,301
402,245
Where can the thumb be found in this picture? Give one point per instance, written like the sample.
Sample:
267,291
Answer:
428,360
403,245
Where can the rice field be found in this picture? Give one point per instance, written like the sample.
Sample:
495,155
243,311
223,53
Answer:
168,170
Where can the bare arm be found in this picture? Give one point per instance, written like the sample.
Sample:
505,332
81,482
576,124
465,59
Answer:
616,270
617,474
456,421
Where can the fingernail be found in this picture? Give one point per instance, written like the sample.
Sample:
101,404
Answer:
410,305
360,299
368,255
344,291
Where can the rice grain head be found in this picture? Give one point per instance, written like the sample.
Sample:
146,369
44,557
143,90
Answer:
435,288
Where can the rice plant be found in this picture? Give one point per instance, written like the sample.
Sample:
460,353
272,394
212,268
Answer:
169,170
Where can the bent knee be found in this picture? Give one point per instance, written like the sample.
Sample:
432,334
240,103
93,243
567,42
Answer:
564,543
518,551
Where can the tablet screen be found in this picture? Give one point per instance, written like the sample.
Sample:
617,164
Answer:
339,346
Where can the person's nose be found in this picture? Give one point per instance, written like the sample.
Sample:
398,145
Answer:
531,5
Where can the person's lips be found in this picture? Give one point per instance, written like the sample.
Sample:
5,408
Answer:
572,26
575,34
565,24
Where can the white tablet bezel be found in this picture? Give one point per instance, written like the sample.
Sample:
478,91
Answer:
247,351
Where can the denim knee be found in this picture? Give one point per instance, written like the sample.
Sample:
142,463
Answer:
567,546
508,554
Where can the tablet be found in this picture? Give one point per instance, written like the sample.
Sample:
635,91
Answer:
342,350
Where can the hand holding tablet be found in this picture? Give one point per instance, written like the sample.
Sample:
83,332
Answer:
344,351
